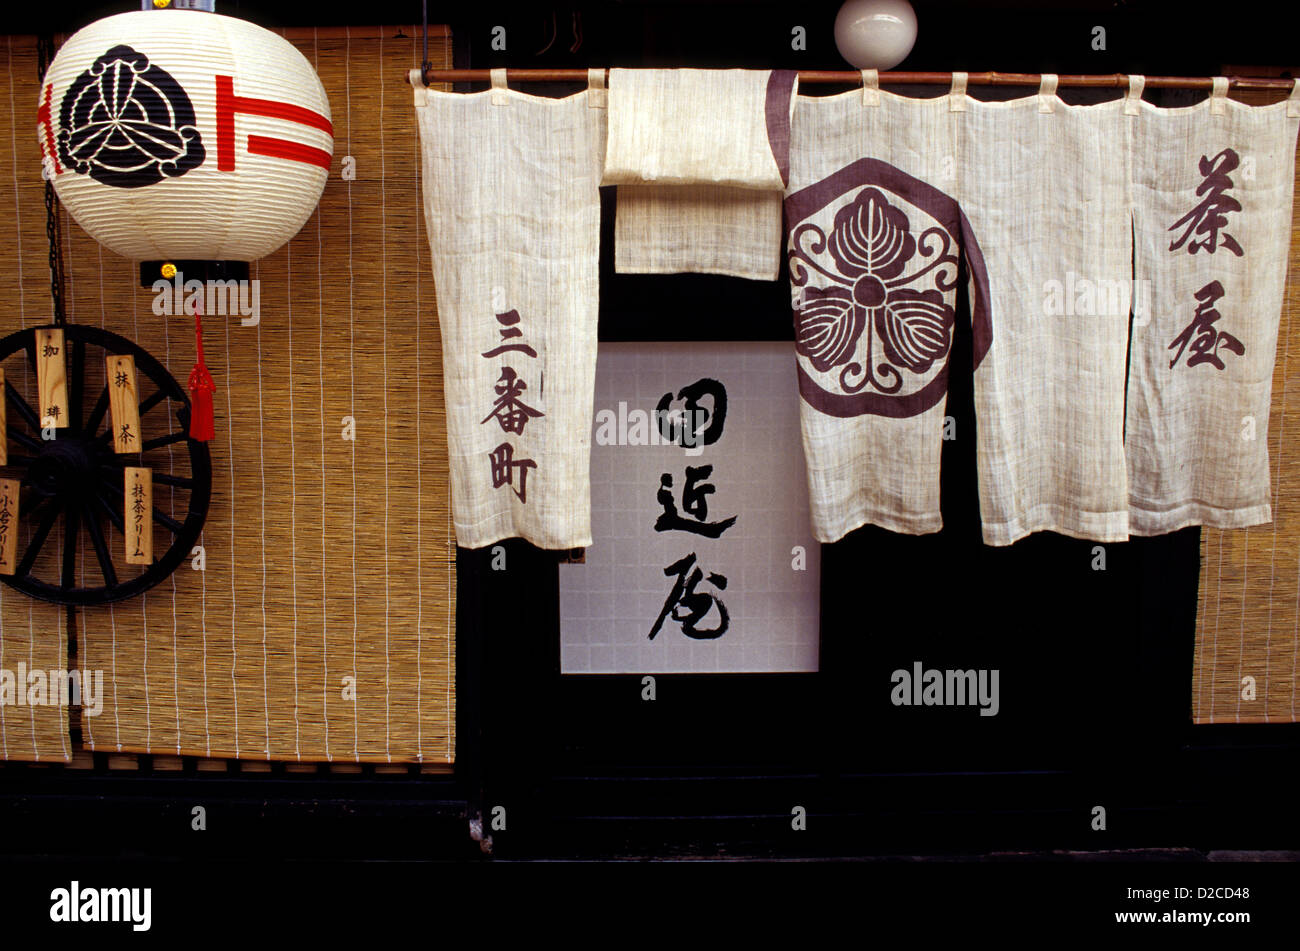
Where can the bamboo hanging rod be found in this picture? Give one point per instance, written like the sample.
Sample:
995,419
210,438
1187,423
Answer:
1115,80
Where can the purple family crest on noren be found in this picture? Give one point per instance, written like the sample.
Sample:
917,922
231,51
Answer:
874,261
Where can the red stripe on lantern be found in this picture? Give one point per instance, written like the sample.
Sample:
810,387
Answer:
229,105
283,148
44,118
225,124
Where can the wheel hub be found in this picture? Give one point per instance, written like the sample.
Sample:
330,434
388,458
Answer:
65,464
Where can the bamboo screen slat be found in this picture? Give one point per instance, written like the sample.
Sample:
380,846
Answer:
1248,614
329,562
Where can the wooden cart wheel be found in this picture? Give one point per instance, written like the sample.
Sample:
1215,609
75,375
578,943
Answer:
75,481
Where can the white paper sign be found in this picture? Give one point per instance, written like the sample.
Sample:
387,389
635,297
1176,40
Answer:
703,559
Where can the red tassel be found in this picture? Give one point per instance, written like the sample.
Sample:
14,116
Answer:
202,423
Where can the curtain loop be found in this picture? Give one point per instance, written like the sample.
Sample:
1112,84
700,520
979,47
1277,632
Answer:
500,96
1218,95
1047,93
597,94
871,87
1134,97
957,95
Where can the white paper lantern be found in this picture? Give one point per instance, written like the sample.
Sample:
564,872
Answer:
176,134
875,34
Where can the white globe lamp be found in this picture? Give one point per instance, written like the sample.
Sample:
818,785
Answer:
875,34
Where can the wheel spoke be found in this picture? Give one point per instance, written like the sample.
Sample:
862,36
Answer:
101,549
76,383
167,440
44,501
38,539
24,440
71,528
167,521
21,405
107,507
181,482
160,478
97,414
112,469
158,396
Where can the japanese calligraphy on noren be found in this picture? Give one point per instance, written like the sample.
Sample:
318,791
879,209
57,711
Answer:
51,377
123,403
506,470
1205,338
1203,230
508,408
8,525
510,332
138,514
1210,216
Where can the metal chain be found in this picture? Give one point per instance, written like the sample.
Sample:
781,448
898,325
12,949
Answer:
45,53
425,66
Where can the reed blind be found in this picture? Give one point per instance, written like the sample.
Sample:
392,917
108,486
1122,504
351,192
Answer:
322,624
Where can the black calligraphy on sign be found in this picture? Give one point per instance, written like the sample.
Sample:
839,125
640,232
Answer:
137,515
1209,217
693,426
120,379
509,410
1207,338
126,434
695,501
689,607
688,433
